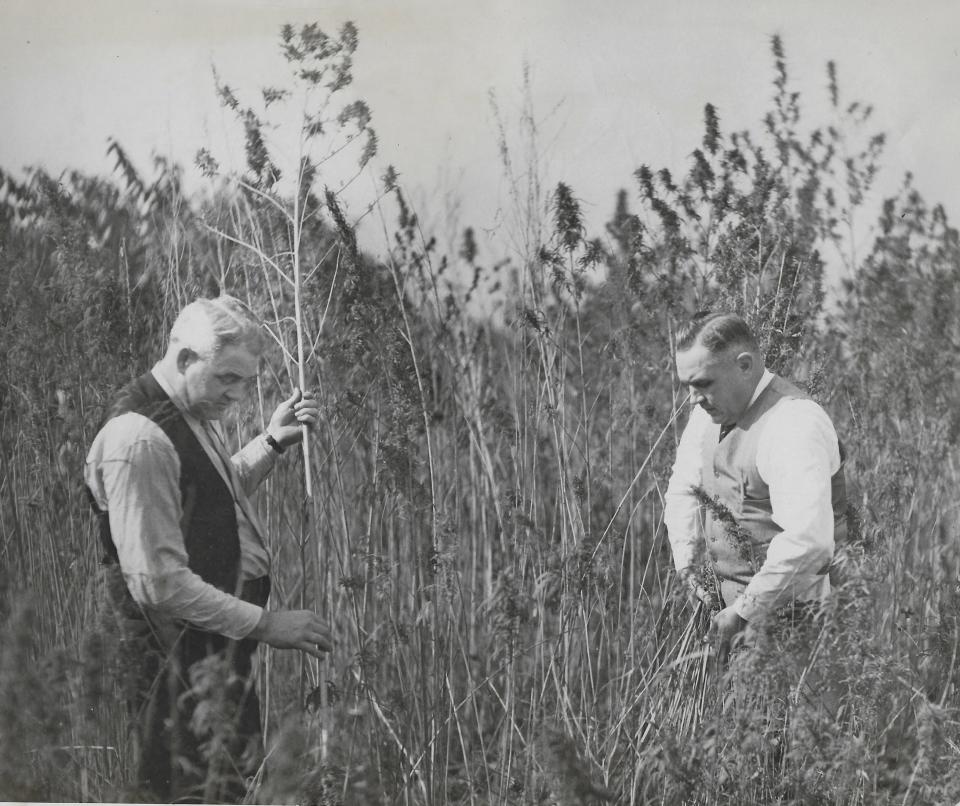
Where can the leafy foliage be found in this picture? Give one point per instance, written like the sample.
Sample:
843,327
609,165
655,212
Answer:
486,525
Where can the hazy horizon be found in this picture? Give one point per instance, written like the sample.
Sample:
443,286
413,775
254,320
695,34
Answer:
613,86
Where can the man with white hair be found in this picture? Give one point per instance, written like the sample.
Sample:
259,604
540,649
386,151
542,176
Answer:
757,492
186,555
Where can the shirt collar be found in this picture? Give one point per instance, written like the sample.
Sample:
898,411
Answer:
163,376
762,384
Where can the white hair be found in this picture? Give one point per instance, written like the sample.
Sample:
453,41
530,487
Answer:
206,326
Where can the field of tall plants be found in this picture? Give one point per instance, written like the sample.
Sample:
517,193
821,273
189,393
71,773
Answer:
480,511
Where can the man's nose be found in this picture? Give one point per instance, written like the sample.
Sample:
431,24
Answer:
696,397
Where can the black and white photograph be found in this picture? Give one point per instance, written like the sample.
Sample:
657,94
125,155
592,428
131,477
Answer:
480,404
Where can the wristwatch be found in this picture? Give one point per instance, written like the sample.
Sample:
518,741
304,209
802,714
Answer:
273,443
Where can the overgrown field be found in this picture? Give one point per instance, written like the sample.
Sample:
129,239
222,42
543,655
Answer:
485,521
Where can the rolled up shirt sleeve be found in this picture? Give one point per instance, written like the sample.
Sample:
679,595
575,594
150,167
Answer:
797,455
253,463
681,508
132,471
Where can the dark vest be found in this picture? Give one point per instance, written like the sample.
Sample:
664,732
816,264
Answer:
161,655
209,519
738,546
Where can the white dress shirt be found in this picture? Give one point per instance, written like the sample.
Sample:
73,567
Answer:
133,472
797,454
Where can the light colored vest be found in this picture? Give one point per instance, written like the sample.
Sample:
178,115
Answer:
737,547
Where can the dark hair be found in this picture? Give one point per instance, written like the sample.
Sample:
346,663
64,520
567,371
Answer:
716,331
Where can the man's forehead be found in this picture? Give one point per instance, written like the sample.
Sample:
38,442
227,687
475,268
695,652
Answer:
696,361
235,359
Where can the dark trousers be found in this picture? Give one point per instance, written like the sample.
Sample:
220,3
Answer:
193,699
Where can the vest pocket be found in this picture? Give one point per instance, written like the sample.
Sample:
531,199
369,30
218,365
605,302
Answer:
761,504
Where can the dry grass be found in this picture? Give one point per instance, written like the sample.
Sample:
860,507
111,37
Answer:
485,525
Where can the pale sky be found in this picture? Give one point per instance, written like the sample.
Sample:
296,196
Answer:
616,83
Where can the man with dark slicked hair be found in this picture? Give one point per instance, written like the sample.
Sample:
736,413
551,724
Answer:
757,491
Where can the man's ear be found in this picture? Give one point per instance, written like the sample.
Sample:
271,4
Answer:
185,357
746,362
